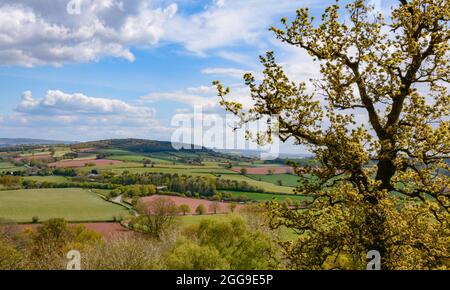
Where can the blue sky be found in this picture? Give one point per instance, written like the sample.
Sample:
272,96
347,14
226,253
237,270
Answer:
125,68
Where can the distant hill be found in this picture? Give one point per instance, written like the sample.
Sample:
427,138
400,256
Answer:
6,142
136,145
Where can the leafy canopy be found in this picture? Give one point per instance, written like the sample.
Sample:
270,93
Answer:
382,185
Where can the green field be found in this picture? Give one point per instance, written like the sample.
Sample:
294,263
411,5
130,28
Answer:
137,158
72,204
35,153
261,197
55,179
7,166
285,179
121,167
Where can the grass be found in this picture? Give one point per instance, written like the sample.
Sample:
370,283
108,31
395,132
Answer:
286,179
137,158
55,179
121,167
261,197
7,166
128,156
72,204
35,153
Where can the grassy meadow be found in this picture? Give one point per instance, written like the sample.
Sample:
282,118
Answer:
72,204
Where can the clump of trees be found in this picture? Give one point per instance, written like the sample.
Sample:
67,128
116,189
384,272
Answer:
200,209
228,244
134,190
156,217
231,243
43,248
10,181
185,184
184,209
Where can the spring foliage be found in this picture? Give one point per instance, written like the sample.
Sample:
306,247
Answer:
382,185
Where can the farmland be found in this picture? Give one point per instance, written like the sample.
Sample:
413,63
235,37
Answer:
262,197
72,204
41,167
214,172
7,166
53,178
278,179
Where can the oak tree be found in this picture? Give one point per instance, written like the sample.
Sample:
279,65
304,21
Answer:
382,184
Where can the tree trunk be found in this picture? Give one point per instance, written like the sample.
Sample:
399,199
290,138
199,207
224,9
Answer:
386,169
376,219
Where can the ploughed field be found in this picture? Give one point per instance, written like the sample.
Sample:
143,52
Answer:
72,204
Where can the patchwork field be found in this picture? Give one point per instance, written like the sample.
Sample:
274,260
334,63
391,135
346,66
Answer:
73,204
209,172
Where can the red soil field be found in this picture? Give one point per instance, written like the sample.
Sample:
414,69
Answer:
86,149
193,203
107,230
265,169
82,163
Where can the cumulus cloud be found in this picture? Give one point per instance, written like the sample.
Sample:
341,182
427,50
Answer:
42,32
77,116
229,23
57,102
34,33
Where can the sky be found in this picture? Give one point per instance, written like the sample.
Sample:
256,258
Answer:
84,70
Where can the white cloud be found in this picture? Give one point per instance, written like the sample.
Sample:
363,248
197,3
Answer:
36,33
77,116
229,23
202,96
229,72
58,102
